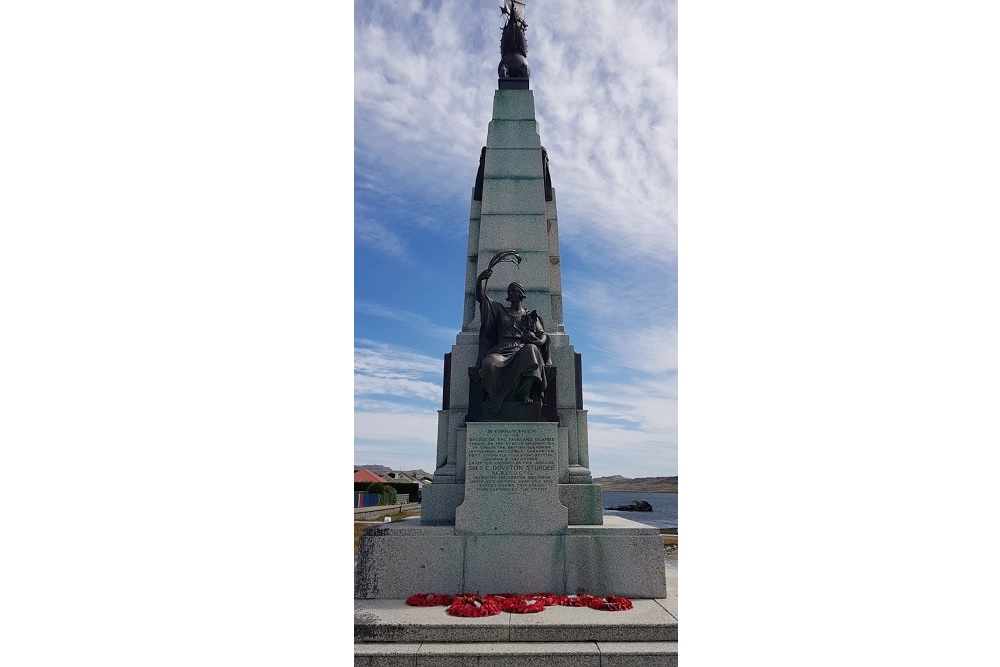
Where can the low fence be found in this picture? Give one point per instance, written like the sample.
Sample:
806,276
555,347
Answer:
366,500
376,513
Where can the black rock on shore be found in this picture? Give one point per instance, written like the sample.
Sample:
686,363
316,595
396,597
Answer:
635,506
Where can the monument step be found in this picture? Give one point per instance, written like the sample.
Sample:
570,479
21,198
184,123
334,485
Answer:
518,654
394,621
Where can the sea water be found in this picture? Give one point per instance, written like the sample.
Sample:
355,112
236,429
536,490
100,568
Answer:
664,514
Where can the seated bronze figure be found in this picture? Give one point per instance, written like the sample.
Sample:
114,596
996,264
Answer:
513,345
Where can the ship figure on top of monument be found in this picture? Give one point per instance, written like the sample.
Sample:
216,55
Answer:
513,44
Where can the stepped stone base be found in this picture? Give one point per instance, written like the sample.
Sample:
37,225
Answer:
388,633
404,558
510,654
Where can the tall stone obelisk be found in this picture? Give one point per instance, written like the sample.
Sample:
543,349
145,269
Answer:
514,208
513,506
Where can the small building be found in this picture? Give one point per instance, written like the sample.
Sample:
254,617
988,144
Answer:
398,476
362,499
363,475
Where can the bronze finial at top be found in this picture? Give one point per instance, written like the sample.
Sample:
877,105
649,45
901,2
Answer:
513,47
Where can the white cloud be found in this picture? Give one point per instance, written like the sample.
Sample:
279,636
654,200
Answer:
373,233
647,406
376,404
377,358
394,385
604,76
417,113
630,321
651,350
605,87
634,459
617,174
645,446
396,439
383,370
408,319
412,428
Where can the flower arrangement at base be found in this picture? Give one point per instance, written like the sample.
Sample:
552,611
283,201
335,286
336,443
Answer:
578,600
469,605
524,605
473,606
548,599
428,600
505,600
609,603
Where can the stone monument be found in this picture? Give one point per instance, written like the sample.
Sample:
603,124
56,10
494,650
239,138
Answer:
513,506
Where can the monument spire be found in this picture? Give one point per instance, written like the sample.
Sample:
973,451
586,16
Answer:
513,214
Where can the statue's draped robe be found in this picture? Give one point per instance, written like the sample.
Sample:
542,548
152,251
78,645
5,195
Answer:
506,359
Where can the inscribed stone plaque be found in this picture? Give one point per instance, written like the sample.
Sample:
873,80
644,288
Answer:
511,480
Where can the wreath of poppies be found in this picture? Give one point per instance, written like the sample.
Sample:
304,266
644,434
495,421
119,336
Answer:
610,603
473,606
548,599
470,605
578,600
428,600
523,605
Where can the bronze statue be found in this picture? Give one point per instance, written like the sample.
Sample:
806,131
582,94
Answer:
513,345
513,44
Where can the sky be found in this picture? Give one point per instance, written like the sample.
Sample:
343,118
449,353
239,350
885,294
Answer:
604,77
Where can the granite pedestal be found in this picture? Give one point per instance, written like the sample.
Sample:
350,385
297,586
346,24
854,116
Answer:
511,533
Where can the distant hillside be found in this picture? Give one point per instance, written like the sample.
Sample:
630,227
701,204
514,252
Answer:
377,469
641,484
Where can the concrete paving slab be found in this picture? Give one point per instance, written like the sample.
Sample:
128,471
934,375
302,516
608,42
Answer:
396,621
668,607
542,654
646,621
385,655
619,523
585,654
638,654
670,570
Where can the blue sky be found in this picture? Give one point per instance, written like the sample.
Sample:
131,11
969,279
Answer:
604,77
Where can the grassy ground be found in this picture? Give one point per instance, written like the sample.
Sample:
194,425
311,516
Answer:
359,526
669,541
